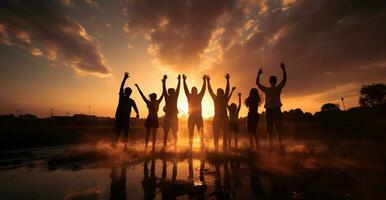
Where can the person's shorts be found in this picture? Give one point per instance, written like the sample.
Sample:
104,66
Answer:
252,122
151,123
219,124
273,116
171,123
233,127
122,124
195,120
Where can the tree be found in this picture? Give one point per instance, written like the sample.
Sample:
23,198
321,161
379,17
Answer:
373,95
330,107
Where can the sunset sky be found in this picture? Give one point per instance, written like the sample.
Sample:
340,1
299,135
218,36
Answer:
69,54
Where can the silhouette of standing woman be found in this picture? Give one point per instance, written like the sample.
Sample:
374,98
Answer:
151,122
253,102
171,111
122,114
273,105
220,119
234,122
195,110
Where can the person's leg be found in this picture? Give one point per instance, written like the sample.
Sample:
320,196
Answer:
200,129
250,134
147,136
279,127
191,131
154,138
175,132
126,138
216,130
166,128
116,137
269,126
224,130
236,135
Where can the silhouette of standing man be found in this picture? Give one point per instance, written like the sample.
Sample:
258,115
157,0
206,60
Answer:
122,114
273,105
195,111
220,119
171,111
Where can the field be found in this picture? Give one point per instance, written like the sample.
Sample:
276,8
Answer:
320,162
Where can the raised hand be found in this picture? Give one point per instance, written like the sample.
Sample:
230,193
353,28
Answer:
282,66
204,77
233,88
179,77
260,71
227,76
126,75
239,94
207,78
165,77
184,76
136,85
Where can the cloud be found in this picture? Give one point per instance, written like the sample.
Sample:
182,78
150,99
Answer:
324,43
43,29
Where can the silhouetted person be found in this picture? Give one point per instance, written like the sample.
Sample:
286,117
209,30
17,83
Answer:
195,111
253,103
151,122
220,119
118,184
234,122
171,111
149,180
122,114
273,104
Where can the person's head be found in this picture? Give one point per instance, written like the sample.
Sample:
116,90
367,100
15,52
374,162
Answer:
273,80
220,92
153,97
128,91
253,97
171,91
233,108
194,90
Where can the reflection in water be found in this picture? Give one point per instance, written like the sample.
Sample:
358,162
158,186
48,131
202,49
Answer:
118,184
149,181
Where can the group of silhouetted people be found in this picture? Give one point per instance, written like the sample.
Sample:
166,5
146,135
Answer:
222,122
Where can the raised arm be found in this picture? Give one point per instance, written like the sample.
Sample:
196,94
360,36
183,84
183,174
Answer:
164,92
178,85
239,106
135,109
186,89
141,93
161,97
261,87
284,81
202,92
227,76
125,77
230,95
210,88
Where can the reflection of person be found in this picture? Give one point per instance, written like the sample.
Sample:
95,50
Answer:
195,111
118,184
254,181
122,114
171,111
220,119
273,104
149,181
253,102
151,122
234,122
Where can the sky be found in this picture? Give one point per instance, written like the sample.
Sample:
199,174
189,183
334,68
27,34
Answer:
70,55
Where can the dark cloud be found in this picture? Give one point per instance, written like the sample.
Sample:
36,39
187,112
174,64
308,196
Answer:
325,43
178,31
42,28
